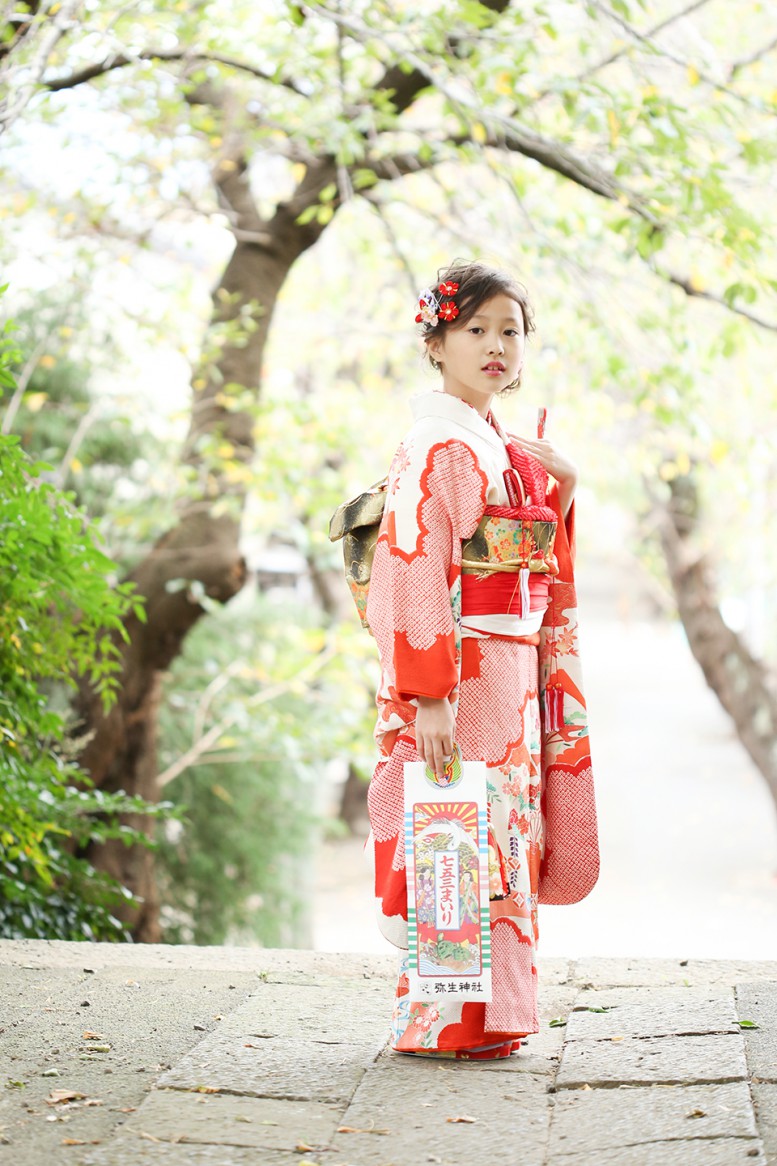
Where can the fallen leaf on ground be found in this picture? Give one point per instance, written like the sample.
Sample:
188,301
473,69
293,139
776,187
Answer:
59,1095
557,1022
470,1121
96,1049
615,1038
353,1130
748,1024
304,1148
89,1035
73,1142
697,1113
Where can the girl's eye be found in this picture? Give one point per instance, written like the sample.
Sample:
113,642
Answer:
511,331
476,328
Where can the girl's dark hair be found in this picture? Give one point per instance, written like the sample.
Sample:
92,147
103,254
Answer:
477,283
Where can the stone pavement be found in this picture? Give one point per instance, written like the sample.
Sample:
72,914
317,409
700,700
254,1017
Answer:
164,1056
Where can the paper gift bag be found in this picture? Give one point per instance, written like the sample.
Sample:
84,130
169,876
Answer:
446,856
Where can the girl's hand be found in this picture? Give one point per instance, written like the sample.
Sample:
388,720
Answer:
562,469
435,729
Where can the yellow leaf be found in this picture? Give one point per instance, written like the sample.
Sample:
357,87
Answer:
693,75
614,125
199,383
479,133
216,141
76,465
504,84
225,449
683,463
668,471
48,361
36,401
298,171
69,217
648,92
718,451
65,331
227,164
696,282
221,793
37,649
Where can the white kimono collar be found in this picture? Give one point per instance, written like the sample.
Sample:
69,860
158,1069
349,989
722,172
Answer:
439,404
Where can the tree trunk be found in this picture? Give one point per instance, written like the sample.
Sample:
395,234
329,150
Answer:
741,683
203,549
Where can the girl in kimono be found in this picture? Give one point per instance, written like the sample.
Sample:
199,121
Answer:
477,642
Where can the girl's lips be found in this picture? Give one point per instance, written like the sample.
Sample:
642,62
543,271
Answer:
493,370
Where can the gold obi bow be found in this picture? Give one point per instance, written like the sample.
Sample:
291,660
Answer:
357,523
509,544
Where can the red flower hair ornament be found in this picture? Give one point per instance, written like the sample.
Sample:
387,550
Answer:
433,309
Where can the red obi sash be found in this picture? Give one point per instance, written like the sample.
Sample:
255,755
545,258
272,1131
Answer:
499,593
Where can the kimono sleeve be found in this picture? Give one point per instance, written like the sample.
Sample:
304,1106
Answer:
436,497
565,546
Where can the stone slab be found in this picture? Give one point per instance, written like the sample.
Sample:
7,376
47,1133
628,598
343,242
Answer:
765,1101
128,1150
225,1120
415,1101
599,972
312,1012
698,1152
652,1061
758,1002
553,971
651,1012
297,1070
604,1119
285,965
145,1018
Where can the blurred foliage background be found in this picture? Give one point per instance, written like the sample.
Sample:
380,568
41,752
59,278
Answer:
216,217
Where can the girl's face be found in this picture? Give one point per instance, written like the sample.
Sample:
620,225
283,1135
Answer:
484,356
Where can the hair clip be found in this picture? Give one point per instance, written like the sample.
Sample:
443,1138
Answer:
429,305
432,309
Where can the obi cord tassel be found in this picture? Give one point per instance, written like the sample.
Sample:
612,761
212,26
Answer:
511,487
554,707
525,599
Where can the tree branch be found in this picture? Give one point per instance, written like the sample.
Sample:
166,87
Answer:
621,52
22,29
58,24
646,39
405,84
559,158
122,60
744,62
700,293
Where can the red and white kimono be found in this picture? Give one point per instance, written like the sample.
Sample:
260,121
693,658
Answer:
495,669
